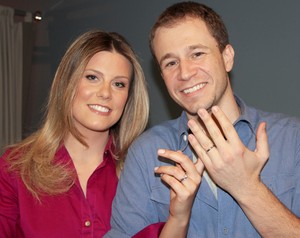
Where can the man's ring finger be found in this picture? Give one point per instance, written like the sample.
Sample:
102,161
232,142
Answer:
210,148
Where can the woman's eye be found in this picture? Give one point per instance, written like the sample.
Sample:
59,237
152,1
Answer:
119,84
91,77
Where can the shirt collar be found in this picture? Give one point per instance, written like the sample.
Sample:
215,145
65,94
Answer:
62,154
248,116
183,131
109,151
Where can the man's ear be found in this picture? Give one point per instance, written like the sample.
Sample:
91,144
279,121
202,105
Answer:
228,57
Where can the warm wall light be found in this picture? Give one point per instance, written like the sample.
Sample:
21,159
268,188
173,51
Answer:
37,16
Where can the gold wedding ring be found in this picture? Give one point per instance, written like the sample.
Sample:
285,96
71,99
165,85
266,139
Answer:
213,146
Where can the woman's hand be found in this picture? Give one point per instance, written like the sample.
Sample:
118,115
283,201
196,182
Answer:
184,180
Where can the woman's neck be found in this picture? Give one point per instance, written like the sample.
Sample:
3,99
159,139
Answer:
86,159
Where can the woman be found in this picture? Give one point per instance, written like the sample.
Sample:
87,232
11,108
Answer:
60,181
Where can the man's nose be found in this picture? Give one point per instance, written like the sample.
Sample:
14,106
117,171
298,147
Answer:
186,70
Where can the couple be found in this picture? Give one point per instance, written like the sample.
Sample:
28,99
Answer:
221,169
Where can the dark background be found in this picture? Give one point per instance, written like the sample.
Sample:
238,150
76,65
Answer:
265,35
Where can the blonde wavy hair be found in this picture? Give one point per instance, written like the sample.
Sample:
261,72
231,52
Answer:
33,158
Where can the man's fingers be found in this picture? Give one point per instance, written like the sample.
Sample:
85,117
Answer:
262,146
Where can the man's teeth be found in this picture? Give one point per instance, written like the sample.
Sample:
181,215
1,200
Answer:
195,88
99,108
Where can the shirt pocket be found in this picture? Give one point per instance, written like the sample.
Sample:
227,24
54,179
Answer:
160,196
282,186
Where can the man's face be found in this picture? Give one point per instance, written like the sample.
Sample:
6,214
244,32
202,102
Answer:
192,66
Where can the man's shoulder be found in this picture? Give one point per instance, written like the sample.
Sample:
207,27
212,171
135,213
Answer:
273,119
277,119
166,128
164,135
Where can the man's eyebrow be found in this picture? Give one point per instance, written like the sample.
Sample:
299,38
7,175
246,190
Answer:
191,47
166,56
199,46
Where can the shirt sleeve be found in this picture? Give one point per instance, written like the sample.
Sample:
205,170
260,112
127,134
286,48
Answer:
133,209
8,202
296,198
150,231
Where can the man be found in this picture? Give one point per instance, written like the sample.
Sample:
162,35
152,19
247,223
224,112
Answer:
250,186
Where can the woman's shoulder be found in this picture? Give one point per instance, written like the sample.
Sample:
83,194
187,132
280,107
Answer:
8,176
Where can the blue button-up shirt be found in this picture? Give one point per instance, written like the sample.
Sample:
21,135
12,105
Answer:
142,199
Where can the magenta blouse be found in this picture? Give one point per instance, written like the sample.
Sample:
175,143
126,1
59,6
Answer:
67,215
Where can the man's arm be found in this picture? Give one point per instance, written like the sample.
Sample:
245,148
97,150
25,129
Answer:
144,201
236,169
132,208
267,214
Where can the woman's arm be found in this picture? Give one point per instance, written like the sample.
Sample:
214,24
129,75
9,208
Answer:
184,180
8,202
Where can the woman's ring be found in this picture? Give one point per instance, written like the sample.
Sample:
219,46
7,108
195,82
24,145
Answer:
183,178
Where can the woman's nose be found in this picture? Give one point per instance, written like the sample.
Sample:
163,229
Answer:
104,91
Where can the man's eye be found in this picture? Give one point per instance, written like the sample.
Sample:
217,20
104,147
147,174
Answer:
91,77
197,54
170,64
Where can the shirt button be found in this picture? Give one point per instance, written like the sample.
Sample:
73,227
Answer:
225,230
87,223
184,137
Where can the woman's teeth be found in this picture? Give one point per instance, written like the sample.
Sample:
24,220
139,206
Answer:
99,108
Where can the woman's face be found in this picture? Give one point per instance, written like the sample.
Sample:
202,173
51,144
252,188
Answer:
102,92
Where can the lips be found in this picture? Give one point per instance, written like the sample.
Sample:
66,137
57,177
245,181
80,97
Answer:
194,88
99,108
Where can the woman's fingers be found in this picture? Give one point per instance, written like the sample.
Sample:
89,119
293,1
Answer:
182,161
184,173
